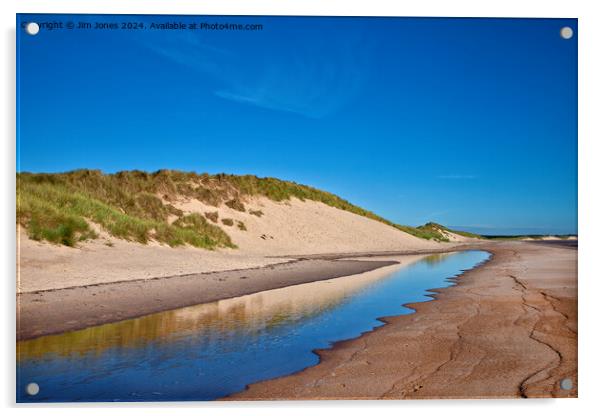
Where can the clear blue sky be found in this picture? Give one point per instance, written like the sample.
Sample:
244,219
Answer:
467,122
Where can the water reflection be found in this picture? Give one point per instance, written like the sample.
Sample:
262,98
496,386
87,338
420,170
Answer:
434,259
214,349
251,314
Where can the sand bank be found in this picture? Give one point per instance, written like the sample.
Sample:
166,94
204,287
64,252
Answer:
507,329
290,228
55,311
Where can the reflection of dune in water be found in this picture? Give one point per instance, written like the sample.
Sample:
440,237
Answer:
434,259
251,314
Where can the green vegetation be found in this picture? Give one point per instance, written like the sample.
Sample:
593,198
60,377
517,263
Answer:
205,234
136,205
57,227
59,208
437,232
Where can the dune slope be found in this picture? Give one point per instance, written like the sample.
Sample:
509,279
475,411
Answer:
84,227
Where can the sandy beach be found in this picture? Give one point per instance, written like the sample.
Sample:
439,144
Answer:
508,329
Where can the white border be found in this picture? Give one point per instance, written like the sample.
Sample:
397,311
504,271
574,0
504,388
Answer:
590,207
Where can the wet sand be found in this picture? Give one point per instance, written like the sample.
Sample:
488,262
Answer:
508,329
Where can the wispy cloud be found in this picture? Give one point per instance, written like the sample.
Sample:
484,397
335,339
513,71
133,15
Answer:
457,176
285,79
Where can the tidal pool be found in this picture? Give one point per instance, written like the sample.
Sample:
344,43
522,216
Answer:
211,350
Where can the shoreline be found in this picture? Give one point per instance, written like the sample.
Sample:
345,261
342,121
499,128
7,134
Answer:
324,381
322,352
287,260
55,311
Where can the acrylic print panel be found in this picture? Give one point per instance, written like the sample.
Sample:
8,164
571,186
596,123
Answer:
258,208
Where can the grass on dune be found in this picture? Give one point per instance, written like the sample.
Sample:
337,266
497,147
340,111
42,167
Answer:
434,231
59,212
135,205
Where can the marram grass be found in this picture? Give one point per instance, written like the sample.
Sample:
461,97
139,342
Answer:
130,205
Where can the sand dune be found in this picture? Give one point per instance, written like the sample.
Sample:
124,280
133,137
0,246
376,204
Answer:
306,227
284,228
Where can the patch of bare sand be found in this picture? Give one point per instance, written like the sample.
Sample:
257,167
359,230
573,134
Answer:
306,227
457,238
43,266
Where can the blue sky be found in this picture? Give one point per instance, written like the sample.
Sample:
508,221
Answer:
466,122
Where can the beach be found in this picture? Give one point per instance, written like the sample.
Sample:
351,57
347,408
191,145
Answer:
508,329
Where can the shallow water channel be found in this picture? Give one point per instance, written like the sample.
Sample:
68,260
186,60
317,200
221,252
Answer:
208,351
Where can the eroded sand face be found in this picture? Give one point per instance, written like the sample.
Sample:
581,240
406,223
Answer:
285,228
508,329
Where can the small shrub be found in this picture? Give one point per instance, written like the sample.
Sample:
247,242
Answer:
212,216
241,225
174,211
59,228
257,213
208,196
148,206
228,221
204,234
235,204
